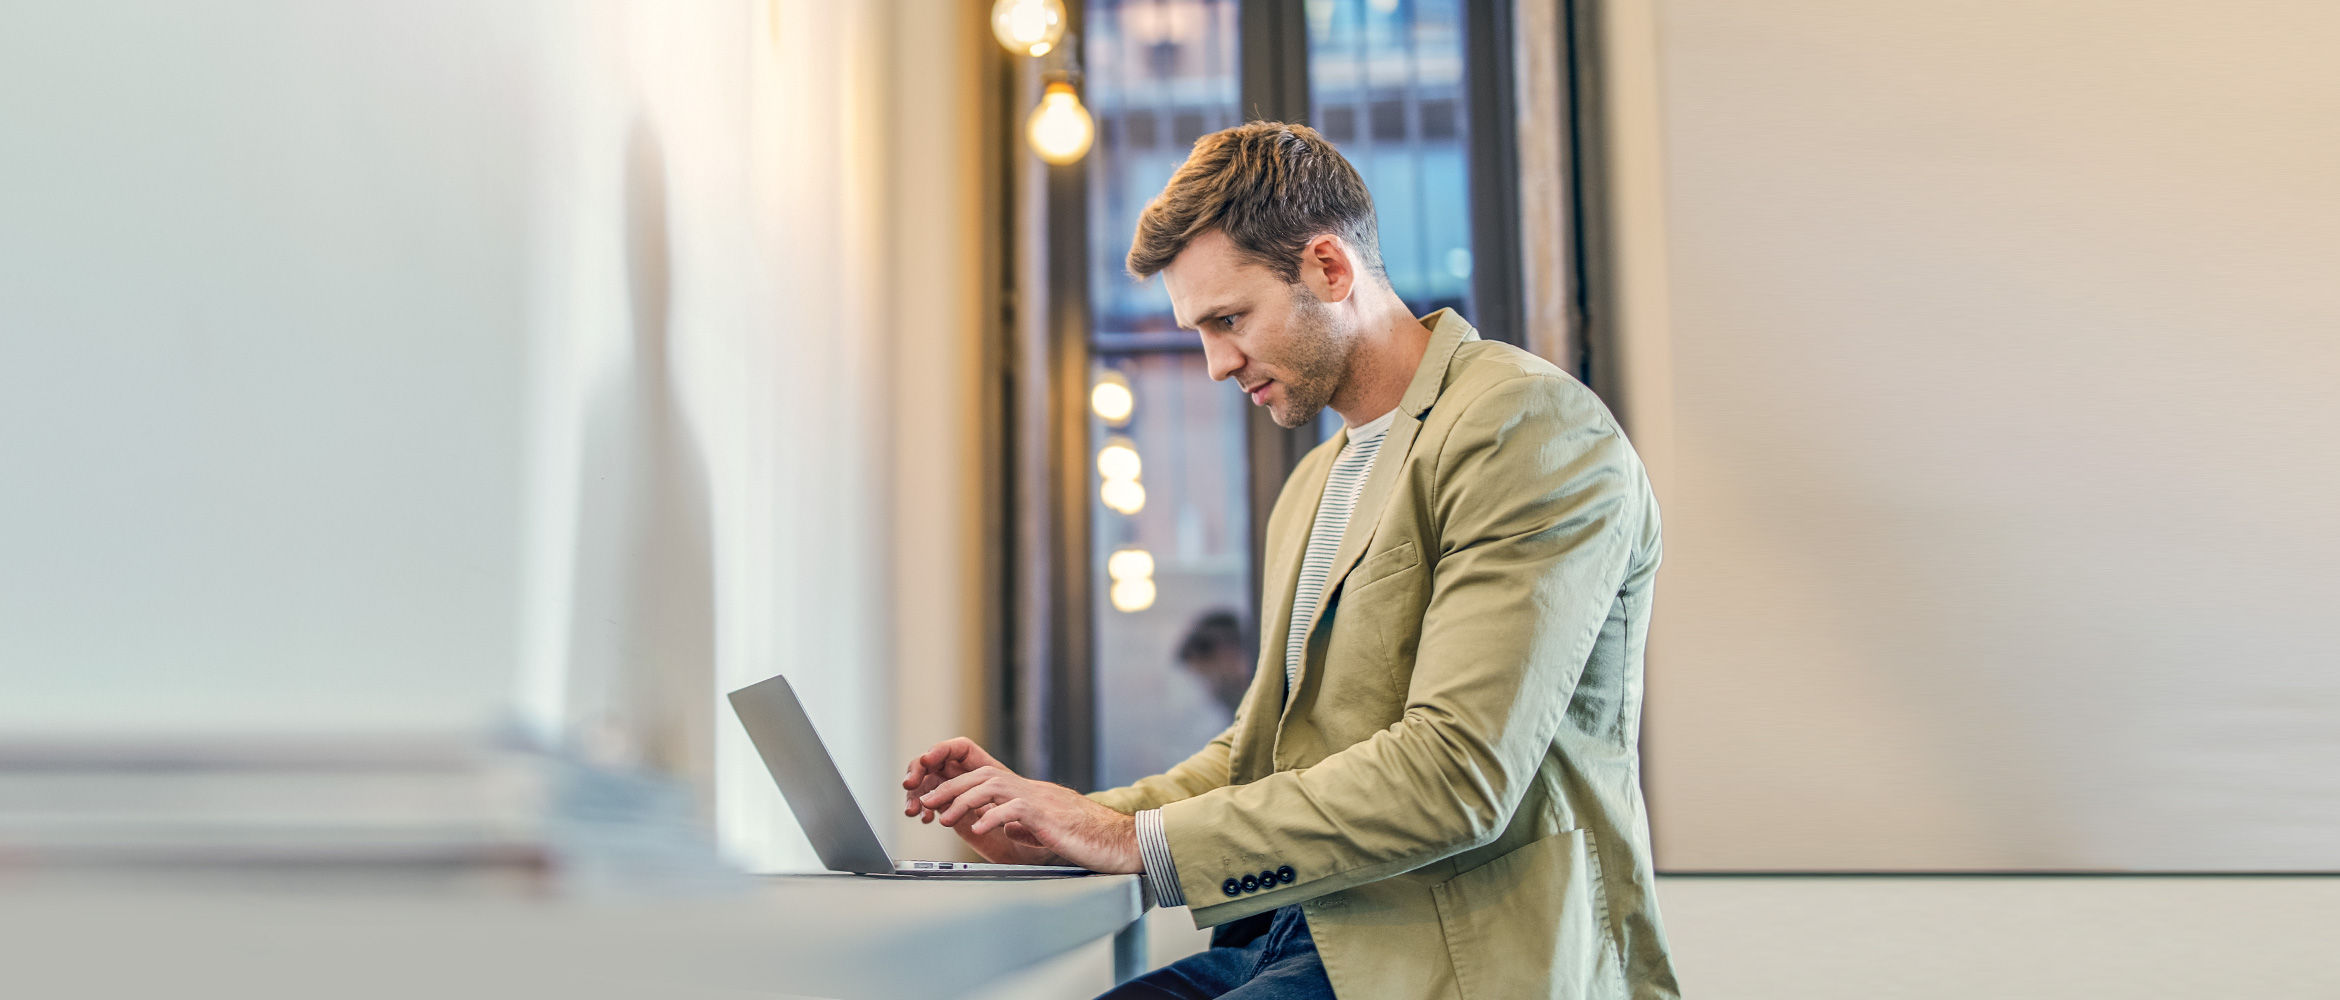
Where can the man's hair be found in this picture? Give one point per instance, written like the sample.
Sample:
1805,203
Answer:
1216,632
1271,187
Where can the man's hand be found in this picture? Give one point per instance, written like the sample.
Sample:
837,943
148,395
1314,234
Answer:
1010,844
1011,819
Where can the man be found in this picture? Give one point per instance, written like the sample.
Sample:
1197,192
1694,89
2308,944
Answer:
1431,789
1220,653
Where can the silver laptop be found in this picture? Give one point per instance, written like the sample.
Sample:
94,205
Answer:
816,793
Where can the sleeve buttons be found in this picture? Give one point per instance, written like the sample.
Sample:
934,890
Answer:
1265,878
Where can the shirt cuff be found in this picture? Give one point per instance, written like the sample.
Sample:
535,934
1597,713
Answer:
1154,853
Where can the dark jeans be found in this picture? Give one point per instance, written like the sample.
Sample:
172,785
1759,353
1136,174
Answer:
1247,961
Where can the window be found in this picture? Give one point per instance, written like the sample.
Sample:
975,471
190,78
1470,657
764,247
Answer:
1385,84
1182,469
1169,508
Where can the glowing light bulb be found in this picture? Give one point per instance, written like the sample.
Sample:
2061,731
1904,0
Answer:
1130,564
1119,460
1060,129
1111,399
1133,595
1132,570
1028,27
1123,495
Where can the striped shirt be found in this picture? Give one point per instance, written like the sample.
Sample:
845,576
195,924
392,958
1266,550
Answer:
1324,537
1341,490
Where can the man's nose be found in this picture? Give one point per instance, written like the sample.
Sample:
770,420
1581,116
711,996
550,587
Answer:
1222,357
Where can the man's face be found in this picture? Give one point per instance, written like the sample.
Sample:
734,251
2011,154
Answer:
1287,348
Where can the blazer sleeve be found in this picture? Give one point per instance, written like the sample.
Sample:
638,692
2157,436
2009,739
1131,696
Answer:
1204,771
1533,493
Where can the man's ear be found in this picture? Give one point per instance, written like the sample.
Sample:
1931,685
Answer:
1328,269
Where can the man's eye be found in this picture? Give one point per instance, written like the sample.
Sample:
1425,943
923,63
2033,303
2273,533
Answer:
1227,322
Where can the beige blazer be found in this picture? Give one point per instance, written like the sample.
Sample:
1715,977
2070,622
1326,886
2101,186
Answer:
1454,784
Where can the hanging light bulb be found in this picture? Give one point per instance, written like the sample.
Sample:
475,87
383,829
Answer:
1119,466
1060,128
1125,496
1132,571
1119,459
1127,563
1028,27
1111,400
1133,595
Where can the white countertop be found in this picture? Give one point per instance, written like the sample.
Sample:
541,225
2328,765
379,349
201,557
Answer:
838,936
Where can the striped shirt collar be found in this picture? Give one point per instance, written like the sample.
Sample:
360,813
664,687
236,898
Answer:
1373,428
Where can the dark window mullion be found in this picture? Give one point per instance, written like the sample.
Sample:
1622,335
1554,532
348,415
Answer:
1492,162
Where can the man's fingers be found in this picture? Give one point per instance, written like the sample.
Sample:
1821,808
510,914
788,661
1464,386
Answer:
970,802
959,749
920,767
947,759
1022,834
955,748
925,784
939,776
953,788
967,750
1001,815
939,759
912,807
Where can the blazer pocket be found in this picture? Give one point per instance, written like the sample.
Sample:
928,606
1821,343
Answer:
1532,923
1397,559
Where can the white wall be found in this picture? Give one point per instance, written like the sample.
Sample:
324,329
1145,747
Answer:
942,170
423,365
825,165
263,288
1986,384
1769,233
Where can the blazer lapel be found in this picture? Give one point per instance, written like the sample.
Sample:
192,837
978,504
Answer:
1448,332
1286,546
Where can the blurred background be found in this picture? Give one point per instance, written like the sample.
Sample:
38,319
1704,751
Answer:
391,392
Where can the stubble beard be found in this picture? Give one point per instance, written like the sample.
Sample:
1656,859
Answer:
1317,366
